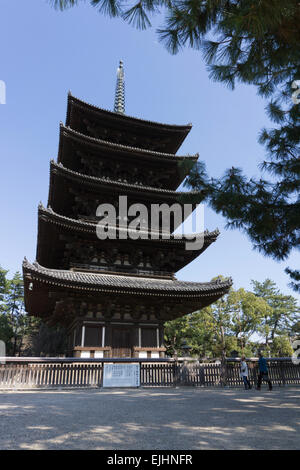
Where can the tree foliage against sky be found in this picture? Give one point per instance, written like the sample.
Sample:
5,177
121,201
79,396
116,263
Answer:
282,314
253,42
21,333
229,324
15,324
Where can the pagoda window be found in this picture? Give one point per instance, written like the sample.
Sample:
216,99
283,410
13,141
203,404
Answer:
148,338
92,335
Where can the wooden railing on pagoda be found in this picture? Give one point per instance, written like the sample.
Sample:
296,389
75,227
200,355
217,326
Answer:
22,373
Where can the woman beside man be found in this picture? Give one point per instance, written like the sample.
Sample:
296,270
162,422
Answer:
244,373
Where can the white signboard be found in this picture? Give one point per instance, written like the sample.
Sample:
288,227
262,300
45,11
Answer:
121,375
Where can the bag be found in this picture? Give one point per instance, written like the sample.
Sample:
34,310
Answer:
265,376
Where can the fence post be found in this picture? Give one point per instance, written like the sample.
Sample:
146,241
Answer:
282,374
255,375
185,374
223,374
176,374
201,375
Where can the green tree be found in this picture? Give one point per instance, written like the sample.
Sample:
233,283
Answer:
254,42
3,287
246,312
281,347
6,332
21,333
15,323
283,312
224,326
175,332
15,313
295,330
201,334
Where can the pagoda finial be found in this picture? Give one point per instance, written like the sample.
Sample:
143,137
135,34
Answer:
120,91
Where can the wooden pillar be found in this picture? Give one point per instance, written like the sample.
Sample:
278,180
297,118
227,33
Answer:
82,335
103,336
108,334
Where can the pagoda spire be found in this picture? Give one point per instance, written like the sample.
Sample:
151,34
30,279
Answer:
120,91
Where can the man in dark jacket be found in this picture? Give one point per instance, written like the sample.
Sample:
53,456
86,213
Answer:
263,372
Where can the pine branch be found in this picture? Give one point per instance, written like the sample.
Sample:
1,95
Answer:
137,16
111,8
295,275
63,4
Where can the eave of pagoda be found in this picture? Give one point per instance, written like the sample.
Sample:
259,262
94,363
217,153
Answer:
56,233
123,284
68,188
123,129
59,169
74,146
46,287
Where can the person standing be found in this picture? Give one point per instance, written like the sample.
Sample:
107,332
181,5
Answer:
263,372
244,373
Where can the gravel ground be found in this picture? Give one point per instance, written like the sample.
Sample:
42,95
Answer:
157,419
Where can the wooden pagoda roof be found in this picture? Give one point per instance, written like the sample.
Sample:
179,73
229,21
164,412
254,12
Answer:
60,170
73,146
50,293
51,225
82,117
69,133
120,284
50,216
62,200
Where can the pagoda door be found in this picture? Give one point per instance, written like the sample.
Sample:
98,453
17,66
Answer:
121,342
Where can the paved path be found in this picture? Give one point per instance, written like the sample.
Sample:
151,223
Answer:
158,419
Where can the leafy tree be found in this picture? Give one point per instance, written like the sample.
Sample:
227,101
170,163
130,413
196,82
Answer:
254,42
295,330
17,319
15,324
3,287
6,331
283,312
201,334
220,328
281,347
175,332
246,310
21,333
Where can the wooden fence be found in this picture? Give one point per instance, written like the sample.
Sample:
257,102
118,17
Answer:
22,373
37,375
281,372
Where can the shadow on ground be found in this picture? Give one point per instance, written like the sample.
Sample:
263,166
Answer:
158,419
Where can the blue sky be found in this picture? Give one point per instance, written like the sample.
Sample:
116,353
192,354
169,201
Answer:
45,53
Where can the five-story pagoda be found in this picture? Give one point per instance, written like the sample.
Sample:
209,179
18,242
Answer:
113,295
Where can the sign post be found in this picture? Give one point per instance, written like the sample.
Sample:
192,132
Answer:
121,375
